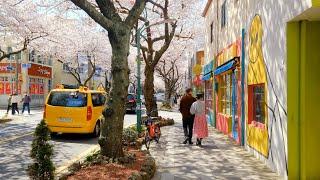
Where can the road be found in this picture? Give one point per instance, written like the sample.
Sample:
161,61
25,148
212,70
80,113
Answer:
16,139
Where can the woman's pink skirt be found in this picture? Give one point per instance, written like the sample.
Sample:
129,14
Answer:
200,126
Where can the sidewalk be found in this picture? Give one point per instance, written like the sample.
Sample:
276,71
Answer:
217,159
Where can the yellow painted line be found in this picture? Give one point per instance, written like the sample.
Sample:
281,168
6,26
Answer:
15,137
63,168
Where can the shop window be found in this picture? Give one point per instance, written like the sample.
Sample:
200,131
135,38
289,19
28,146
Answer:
66,67
257,108
32,56
50,60
225,94
224,14
9,50
39,59
19,55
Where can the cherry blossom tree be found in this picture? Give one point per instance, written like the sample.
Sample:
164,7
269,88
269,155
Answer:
165,21
20,25
105,13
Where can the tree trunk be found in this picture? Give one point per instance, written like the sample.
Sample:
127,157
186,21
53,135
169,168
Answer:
149,91
111,132
167,94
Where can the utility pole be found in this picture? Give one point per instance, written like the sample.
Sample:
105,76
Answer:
138,80
17,75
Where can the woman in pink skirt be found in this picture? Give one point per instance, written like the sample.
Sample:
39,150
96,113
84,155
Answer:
200,127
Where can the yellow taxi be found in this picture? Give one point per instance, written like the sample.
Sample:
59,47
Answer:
74,110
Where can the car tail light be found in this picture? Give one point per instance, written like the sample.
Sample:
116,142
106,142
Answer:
89,113
44,111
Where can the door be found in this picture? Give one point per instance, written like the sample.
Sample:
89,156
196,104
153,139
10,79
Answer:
303,39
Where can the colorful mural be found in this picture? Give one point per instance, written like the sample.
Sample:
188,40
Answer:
257,129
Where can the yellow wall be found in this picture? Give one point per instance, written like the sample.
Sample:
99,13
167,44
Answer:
257,138
303,99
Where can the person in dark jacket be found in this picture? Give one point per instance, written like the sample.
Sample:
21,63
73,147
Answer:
187,118
26,103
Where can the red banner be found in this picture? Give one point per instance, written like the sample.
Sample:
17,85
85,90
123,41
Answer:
4,68
31,88
40,71
15,89
36,88
8,88
2,87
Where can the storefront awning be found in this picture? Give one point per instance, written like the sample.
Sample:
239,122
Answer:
206,77
225,67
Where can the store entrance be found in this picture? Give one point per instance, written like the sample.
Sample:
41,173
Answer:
303,63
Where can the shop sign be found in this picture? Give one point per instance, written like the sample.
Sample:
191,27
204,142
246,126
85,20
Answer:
40,71
197,69
208,68
7,68
26,65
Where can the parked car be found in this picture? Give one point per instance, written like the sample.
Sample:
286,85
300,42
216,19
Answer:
131,104
74,110
160,97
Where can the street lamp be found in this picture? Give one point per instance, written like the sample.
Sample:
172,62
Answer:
138,59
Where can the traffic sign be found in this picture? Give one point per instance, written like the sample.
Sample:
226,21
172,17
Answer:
26,65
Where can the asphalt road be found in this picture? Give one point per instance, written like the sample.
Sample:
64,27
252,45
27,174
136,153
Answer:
16,139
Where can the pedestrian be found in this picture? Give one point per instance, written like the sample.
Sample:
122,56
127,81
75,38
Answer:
26,103
9,103
187,117
14,103
200,127
175,100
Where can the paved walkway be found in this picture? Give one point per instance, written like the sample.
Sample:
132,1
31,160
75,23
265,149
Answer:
219,158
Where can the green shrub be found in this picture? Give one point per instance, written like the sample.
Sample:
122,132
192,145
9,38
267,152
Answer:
129,135
42,167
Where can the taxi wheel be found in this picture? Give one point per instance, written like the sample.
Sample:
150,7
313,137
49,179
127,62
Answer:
96,132
53,134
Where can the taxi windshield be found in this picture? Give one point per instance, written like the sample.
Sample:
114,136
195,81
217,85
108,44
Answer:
68,99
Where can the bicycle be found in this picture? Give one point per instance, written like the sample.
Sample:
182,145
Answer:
153,132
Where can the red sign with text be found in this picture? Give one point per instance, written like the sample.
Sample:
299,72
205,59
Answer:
31,89
40,71
6,68
36,88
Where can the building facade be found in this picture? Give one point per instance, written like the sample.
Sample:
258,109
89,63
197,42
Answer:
259,50
26,72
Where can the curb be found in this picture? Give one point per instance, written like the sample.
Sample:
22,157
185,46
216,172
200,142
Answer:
63,169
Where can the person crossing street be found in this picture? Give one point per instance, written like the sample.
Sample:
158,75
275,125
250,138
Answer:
26,103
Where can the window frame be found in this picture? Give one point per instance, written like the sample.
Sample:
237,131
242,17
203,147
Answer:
225,94
224,14
252,106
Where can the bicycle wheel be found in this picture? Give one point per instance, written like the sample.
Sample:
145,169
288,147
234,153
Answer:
158,134
147,140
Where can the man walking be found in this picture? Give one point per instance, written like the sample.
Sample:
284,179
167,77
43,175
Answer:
14,105
9,103
26,103
187,118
